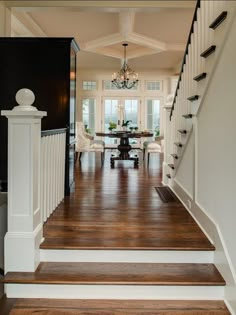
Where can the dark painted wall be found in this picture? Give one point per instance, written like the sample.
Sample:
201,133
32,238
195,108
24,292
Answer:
42,65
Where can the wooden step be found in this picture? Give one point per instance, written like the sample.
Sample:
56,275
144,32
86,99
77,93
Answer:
118,307
193,98
175,156
187,116
119,274
218,20
182,131
208,51
200,77
178,144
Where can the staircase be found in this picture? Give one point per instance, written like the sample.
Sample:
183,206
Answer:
148,257
211,24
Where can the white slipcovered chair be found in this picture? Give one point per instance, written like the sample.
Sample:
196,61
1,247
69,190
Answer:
151,147
85,142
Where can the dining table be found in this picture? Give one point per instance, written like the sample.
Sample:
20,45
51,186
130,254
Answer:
124,146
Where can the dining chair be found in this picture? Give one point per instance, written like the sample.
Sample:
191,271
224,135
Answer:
86,143
151,147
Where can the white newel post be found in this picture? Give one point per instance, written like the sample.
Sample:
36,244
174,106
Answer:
24,214
167,140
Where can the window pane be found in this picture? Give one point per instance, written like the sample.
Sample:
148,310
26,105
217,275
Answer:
108,85
88,113
131,111
89,85
153,85
110,113
153,116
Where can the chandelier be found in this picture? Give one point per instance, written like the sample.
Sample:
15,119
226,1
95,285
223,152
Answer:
126,78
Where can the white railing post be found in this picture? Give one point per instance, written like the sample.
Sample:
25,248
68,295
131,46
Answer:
24,214
167,140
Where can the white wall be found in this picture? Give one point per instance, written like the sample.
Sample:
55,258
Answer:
216,154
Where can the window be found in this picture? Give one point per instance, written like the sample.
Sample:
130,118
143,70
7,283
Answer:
89,85
88,111
153,116
110,114
107,84
153,85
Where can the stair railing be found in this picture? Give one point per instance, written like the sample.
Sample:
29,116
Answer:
201,53
52,179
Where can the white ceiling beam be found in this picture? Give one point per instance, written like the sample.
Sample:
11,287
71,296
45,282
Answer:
140,52
131,54
139,39
108,52
102,4
29,24
102,42
126,23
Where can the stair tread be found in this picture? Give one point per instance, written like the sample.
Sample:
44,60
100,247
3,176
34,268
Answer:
152,243
218,20
208,51
119,274
200,76
119,307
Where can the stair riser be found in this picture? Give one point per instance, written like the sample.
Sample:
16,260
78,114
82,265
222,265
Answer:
137,256
124,292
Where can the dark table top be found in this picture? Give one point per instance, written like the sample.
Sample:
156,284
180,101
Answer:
124,134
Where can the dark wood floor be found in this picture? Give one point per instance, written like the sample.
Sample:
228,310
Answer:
119,208
116,307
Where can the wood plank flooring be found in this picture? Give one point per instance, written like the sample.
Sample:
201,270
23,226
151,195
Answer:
116,307
119,208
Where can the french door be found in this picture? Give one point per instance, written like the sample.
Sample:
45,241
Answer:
117,110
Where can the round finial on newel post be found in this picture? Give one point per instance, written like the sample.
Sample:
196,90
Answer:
25,98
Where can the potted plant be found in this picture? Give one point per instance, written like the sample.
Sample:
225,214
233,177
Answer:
131,128
126,123
112,126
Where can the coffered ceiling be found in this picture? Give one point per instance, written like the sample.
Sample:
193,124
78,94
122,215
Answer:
156,31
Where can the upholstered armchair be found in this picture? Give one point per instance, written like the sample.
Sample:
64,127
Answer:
85,142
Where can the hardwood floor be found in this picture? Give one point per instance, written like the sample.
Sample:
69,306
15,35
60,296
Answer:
117,307
119,208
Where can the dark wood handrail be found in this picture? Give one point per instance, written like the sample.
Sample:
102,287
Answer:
185,53
45,133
